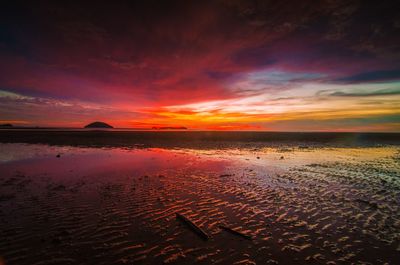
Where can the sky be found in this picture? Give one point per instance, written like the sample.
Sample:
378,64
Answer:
330,65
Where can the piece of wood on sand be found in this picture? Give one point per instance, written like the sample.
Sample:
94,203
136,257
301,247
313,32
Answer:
192,226
234,232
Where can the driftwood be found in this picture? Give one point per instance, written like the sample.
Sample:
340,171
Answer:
192,226
235,232
226,175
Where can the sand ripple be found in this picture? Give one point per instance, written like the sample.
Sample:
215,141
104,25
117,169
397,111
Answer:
337,212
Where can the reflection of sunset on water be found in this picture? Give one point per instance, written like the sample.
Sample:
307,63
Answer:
232,132
119,205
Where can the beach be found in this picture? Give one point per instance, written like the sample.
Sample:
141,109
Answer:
256,204
227,132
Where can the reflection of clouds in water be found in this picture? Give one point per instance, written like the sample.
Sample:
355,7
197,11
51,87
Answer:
16,152
324,204
259,156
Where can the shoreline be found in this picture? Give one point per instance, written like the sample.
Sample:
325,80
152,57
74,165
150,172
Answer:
196,139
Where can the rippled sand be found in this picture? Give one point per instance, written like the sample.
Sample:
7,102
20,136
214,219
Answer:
69,205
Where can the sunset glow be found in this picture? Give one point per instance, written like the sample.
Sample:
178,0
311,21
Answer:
222,65
200,132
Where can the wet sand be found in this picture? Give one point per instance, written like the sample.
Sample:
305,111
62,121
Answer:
114,205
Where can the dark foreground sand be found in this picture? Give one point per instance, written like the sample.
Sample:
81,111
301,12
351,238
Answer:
73,205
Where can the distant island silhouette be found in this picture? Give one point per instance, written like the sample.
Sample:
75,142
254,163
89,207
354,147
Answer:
98,124
169,128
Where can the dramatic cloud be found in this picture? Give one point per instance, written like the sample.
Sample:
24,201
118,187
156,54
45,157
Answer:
205,65
374,76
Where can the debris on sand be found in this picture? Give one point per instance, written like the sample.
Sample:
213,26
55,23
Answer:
192,226
226,175
234,232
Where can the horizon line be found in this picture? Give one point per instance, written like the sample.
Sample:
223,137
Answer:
182,130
